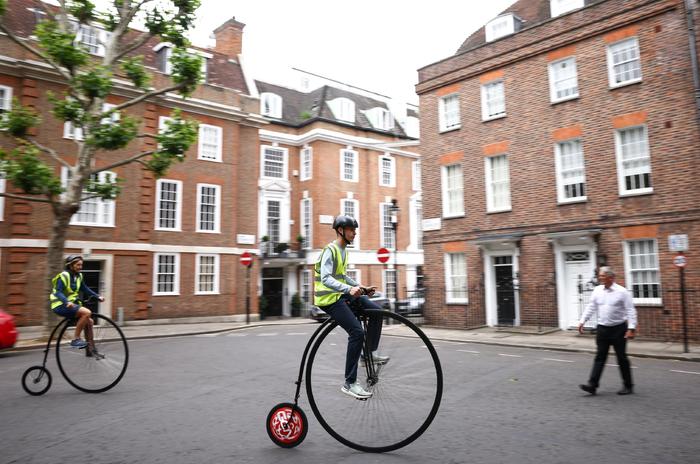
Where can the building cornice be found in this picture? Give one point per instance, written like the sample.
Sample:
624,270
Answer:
340,138
125,246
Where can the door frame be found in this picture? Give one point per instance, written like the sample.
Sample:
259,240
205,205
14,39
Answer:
106,276
560,251
490,283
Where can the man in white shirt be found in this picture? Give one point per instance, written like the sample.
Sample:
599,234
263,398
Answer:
617,321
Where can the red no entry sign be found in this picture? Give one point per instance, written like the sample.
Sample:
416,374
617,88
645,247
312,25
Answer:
246,259
680,261
383,255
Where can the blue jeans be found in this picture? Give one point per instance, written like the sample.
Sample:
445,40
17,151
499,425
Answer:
341,312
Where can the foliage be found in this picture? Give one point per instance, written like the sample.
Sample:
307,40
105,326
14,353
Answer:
3,7
95,83
68,109
111,135
305,115
60,45
107,190
82,10
187,70
300,238
173,142
19,120
134,70
25,170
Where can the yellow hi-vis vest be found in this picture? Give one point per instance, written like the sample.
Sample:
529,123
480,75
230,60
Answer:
324,296
71,293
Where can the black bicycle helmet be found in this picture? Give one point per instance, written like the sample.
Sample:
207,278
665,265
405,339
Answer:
344,221
70,259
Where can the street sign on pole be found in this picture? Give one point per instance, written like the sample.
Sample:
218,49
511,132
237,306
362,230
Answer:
678,242
383,255
246,259
680,260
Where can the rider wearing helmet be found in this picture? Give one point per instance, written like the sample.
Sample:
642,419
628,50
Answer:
333,289
64,298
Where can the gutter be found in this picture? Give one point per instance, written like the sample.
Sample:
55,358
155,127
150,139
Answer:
693,53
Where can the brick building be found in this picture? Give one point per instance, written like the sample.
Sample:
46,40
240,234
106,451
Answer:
166,247
329,149
563,135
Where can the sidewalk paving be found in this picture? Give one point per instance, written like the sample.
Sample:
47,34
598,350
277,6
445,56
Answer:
557,340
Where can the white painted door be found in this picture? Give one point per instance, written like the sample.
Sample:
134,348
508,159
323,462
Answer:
578,271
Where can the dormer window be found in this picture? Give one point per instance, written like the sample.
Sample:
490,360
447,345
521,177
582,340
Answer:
559,7
343,109
164,52
91,38
271,105
380,118
502,26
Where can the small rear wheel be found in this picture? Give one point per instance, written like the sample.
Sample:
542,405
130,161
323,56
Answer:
36,380
287,425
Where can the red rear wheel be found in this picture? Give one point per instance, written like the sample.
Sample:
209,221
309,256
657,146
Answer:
286,425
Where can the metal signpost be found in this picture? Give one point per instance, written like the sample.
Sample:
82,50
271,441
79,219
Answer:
247,261
679,243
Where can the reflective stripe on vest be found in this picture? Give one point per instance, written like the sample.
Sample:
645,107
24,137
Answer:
324,296
70,293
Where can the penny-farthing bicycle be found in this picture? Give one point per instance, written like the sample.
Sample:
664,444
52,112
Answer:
406,391
87,370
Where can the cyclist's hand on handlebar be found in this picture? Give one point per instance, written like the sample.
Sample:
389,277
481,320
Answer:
369,291
101,298
356,291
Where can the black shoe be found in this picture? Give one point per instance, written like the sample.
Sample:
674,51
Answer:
625,391
588,388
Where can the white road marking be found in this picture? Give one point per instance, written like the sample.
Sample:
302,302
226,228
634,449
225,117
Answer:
297,333
558,360
469,351
208,335
267,334
617,365
510,355
237,335
686,372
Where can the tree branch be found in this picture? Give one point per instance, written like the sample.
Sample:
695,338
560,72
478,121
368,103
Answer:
50,151
142,39
22,197
123,162
143,97
36,51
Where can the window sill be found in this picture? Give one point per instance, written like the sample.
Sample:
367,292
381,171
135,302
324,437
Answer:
211,160
493,118
442,131
625,84
562,100
166,230
207,293
647,302
457,302
496,211
349,180
166,294
208,231
455,216
573,201
637,193
84,224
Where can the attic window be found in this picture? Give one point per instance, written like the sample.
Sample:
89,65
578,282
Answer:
380,118
500,27
164,52
559,7
271,105
343,109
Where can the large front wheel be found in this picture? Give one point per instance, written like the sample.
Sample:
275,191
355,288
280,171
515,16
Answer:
93,369
406,390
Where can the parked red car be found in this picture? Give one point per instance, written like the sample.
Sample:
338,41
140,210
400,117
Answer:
8,332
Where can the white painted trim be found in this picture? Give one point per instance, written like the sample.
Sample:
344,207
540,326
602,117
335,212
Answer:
611,69
619,161
441,114
7,98
178,206
285,162
448,284
219,142
490,208
176,283
561,199
560,272
217,215
490,283
392,173
445,198
356,203
126,246
552,76
356,165
302,175
628,272
310,238
484,101
217,274
106,275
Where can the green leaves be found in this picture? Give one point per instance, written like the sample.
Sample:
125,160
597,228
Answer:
134,70
108,189
19,119
67,109
173,143
26,171
95,83
60,45
82,10
113,135
3,7
187,70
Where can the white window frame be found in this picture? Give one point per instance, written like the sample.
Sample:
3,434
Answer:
447,212
176,279
198,274
485,99
554,80
356,215
449,121
356,165
178,205
416,181
559,7
71,133
620,169
307,221
219,143
629,279
274,104
491,207
382,233
7,98
392,170
103,207
507,21
358,274
380,118
449,290
3,186
559,166
611,67
307,290
101,34
343,109
306,160
217,214
385,281
285,161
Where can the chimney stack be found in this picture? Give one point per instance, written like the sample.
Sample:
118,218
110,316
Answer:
229,38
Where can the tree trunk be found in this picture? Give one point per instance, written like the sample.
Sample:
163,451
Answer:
54,257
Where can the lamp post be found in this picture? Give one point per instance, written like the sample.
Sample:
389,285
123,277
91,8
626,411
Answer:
394,217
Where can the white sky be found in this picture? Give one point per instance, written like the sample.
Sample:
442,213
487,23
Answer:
376,45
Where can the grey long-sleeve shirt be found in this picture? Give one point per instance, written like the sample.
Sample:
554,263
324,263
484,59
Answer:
327,272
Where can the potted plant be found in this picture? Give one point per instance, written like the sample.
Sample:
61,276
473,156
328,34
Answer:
296,305
264,244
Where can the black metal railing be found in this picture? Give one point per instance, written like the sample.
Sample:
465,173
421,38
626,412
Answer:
271,249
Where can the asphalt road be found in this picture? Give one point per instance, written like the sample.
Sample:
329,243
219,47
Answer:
204,399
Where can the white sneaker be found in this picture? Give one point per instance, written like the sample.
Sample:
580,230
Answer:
356,391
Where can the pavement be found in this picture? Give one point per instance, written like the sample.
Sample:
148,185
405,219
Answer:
525,337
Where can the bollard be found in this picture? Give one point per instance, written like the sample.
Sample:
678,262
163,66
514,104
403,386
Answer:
120,316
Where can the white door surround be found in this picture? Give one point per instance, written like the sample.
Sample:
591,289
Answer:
490,249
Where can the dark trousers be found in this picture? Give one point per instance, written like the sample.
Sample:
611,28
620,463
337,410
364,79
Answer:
341,312
615,336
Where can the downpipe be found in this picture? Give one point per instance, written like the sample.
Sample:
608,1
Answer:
689,7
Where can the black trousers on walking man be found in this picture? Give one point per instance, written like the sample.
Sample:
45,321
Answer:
615,336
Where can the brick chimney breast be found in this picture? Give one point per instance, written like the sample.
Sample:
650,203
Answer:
229,38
